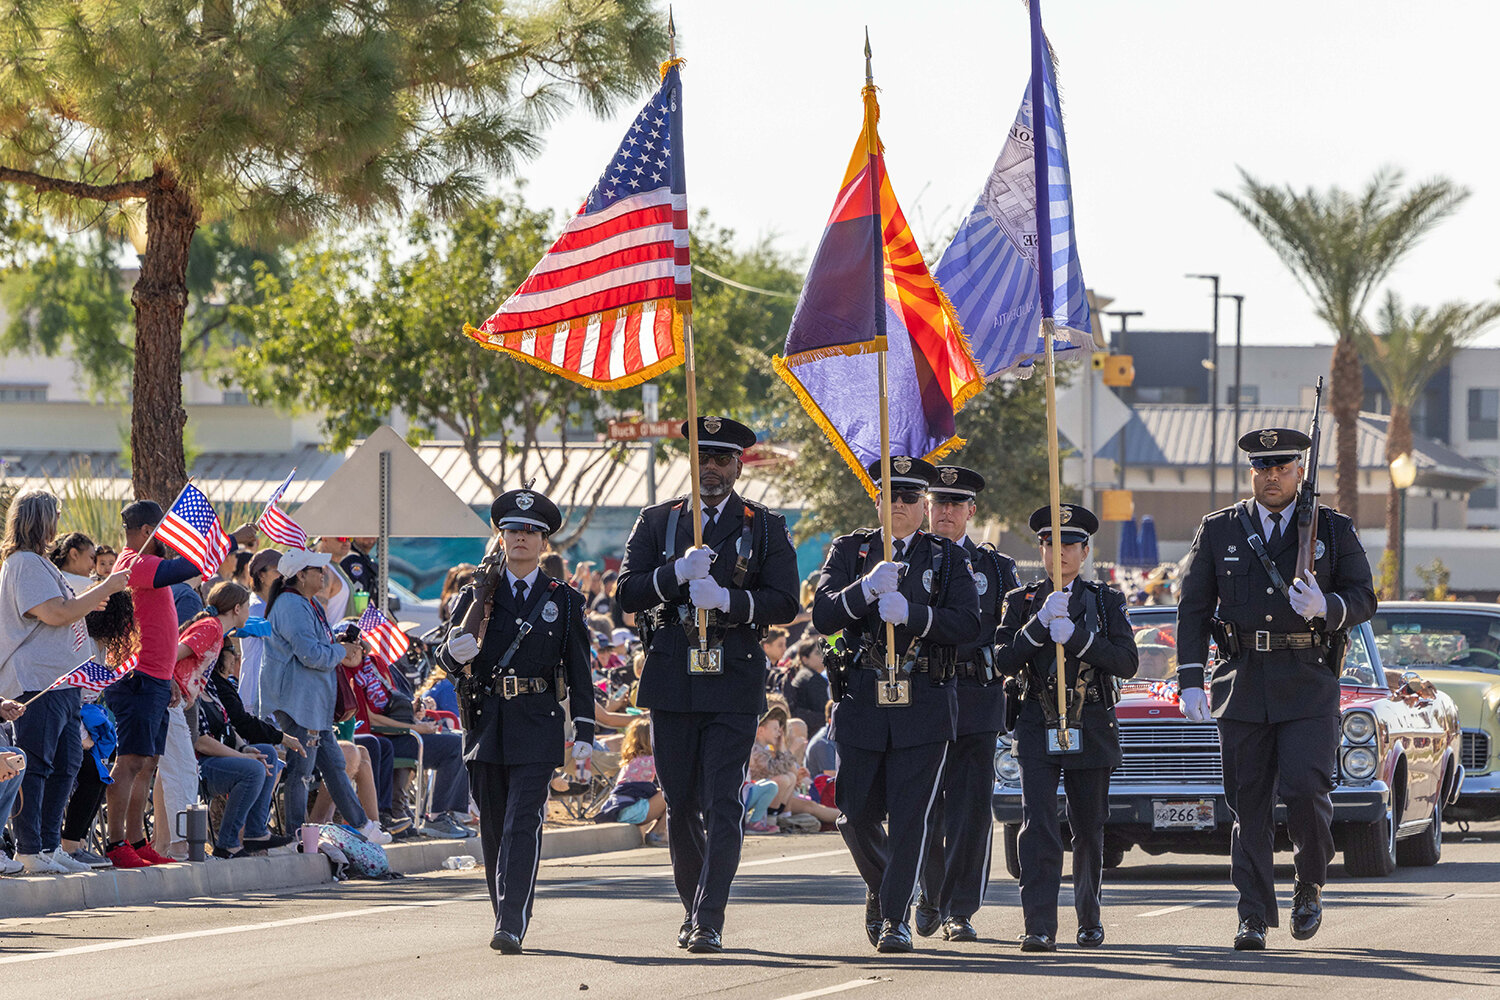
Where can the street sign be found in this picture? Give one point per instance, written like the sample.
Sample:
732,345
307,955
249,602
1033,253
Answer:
1116,505
640,430
1110,415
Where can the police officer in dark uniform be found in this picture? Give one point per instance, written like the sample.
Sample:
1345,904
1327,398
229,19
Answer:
956,870
1276,693
531,656
1088,618
704,709
893,733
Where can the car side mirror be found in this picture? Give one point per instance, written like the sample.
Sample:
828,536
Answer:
392,602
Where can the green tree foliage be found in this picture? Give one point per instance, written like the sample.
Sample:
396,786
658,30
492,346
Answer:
281,118
1340,246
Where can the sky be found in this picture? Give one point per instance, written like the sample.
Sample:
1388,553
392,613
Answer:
1162,102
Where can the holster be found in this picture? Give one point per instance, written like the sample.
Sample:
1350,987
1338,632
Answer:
1015,694
1338,645
984,665
839,662
1226,637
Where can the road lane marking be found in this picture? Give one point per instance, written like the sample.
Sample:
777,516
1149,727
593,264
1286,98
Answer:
667,872
852,984
1175,909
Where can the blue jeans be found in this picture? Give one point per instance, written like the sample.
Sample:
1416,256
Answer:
382,760
443,753
9,790
51,736
757,797
249,788
328,757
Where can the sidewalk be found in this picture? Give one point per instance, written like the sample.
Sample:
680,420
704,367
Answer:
35,895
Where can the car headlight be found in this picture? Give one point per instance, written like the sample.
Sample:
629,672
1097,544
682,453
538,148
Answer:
1359,727
1359,763
1007,768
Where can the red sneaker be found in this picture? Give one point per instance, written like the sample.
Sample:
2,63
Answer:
125,856
148,854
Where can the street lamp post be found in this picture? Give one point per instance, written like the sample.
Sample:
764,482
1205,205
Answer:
1213,399
1239,308
1403,474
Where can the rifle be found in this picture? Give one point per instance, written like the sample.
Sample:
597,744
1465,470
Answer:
1307,493
486,578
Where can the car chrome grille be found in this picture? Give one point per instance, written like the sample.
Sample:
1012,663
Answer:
1168,753
1475,754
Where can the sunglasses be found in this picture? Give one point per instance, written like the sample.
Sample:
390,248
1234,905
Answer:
907,497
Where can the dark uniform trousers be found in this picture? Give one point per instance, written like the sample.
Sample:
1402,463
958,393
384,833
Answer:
512,804
1040,845
956,868
702,760
899,783
1293,760
1278,710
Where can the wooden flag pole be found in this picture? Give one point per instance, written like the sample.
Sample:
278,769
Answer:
888,543
1054,486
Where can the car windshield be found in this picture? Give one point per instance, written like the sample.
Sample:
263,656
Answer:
1469,640
1156,641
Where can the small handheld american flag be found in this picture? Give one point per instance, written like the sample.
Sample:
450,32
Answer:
277,526
387,640
192,528
95,676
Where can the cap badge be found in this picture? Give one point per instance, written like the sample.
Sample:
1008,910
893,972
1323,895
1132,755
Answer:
901,464
525,500
1067,514
1268,439
712,424
948,476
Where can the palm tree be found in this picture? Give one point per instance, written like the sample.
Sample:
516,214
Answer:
1340,246
1405,350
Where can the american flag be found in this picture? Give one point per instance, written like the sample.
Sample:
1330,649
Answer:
605,306
277,526
95,676
192,528
386,639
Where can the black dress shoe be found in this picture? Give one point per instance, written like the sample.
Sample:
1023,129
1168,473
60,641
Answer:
959,929
1251,935
895,936
1090,937
705,941
1038,942
684,933
929,918
1307,910
506,943
872,917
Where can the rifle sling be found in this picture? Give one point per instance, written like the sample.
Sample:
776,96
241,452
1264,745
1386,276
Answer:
538,601
1259,548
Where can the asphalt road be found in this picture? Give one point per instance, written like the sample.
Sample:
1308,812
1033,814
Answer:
605,927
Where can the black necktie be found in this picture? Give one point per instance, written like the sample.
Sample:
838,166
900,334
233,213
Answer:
1275,527
710,516
520,594
898,550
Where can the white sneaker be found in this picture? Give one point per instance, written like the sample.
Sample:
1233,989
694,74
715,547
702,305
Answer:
61,857
10,866
40,864
372,832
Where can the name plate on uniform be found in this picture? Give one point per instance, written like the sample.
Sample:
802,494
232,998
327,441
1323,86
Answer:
706,661
1064,740
892,694
1182,814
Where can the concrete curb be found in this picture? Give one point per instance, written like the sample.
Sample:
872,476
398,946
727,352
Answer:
36,895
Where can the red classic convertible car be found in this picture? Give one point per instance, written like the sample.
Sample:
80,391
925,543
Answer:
1398,764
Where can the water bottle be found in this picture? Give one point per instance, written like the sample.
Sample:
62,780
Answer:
460,862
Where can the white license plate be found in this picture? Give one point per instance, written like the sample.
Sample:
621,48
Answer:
1182,814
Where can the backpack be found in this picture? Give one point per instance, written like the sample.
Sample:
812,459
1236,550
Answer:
362,859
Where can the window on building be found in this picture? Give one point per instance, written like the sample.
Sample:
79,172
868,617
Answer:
1484,414
1486,497
234,397
1164,394
23,393
1249,395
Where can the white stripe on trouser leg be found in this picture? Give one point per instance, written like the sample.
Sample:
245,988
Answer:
989,846
937,783
536,865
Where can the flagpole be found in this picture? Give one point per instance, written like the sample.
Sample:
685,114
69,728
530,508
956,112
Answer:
692,401
887,542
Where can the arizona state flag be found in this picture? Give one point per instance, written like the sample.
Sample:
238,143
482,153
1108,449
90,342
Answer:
869,290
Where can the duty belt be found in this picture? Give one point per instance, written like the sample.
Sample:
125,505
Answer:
512,686
1267,641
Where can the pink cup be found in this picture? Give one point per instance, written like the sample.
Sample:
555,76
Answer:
310,832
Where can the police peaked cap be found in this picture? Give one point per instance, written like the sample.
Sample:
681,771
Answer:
1269,447
953,483
1078,523
910,473
721,434
525,509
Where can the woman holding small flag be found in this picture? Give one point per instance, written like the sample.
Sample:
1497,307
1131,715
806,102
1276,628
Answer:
42,638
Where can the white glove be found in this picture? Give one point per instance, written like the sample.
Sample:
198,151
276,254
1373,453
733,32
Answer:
463,647
694,565
1195,705
708,594
1055,606
582,750
1061,629
894,608
1307,599
883,579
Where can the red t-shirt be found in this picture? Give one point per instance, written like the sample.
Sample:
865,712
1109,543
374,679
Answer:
155,614
205,637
